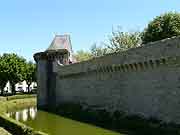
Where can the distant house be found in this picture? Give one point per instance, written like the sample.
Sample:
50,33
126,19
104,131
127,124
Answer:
20,87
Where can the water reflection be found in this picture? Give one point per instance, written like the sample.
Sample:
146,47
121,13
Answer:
55,124
24,115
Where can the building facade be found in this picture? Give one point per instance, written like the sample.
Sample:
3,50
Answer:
20,87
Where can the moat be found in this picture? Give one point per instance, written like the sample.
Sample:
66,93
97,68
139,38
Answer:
54,124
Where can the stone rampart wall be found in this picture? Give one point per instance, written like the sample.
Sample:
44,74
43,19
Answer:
151,54
143,81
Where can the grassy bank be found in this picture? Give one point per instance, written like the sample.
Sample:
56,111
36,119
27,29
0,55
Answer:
20,96
16,102
4,132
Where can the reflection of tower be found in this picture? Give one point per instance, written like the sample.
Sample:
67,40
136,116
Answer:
8,114
32,112
17,116
25,114
58,53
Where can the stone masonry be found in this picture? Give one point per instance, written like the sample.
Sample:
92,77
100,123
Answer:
141,81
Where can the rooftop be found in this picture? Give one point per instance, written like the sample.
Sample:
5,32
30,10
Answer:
60,42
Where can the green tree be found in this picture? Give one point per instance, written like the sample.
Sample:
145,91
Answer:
163,26
30,74
15,68
97,51
122,41
3,75
82,55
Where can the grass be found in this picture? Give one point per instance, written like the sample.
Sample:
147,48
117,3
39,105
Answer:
16,104
4,132
11,125
20,96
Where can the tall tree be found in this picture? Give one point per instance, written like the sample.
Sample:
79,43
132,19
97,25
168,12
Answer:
3,75
30,74
15,68
163,26
121,41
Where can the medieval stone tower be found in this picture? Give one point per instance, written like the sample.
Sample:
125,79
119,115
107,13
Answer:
58,53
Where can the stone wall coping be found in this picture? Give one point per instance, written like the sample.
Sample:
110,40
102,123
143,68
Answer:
163,50
49,54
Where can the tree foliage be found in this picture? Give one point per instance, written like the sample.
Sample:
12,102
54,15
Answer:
118,41
82,55
163,26
97,51
30,74
3,75
121,41
14,68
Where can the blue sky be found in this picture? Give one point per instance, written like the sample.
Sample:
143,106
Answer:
28,26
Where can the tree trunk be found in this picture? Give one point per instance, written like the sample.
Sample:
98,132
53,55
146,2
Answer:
28,87
2,91
13,89
3,84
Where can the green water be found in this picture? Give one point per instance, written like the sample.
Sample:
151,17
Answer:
54,124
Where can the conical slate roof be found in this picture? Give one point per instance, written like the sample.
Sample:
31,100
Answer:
61,42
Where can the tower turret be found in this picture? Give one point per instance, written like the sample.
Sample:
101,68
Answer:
58,53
